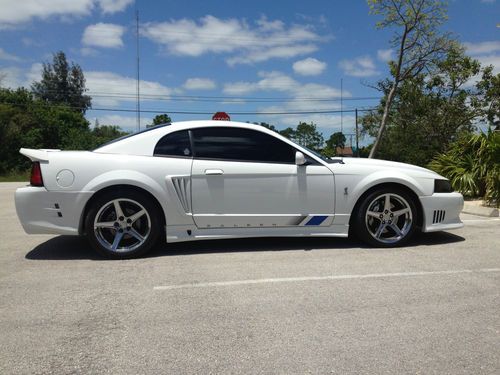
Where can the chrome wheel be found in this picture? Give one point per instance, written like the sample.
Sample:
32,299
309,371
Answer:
388,218
122,225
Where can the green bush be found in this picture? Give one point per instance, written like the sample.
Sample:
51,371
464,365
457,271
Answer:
472,164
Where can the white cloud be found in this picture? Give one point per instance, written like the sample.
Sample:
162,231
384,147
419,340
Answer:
29,42
15,12
482,47
491,60
11,77
270,81
281,52
107,35
240,88
14,77
87,51
244,43
7,56
362,66
487,54
114,6
277,81
34,74
199,84
309,67
119,88
385,54
488,1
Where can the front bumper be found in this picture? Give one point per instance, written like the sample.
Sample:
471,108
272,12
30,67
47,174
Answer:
442,211
50,212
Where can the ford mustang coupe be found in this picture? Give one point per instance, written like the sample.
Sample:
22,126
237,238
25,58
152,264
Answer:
200,180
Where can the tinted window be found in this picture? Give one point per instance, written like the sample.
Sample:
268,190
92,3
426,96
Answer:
241,144
174,144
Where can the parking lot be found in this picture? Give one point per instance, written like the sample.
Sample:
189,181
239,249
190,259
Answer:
273,306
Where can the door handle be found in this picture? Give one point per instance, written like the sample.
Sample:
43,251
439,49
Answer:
214,172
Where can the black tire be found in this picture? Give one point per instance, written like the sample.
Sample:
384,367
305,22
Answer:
104,227
378,225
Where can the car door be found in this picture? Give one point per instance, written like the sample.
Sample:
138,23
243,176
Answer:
246,178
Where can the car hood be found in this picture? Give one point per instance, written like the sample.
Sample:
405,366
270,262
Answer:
385,164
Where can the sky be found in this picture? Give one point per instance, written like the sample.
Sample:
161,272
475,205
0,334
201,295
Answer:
256,60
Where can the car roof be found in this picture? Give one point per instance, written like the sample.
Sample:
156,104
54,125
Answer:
139,143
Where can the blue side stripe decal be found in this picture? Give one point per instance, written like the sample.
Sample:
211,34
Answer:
316,220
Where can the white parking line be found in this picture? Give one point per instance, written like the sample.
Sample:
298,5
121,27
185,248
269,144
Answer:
320,278
489,219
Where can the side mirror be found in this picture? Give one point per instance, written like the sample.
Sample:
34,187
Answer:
300,159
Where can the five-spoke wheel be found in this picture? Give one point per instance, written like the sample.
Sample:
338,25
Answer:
386,217
122,224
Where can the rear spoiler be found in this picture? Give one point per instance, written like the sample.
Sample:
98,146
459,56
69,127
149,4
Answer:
37,155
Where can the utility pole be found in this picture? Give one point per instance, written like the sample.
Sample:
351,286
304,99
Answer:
357,133
138,105
341,106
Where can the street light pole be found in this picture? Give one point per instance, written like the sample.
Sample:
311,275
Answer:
357,133
138,104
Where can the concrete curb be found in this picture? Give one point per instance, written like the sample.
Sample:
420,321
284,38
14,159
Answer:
476,209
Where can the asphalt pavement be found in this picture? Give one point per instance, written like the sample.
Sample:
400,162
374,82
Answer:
259,306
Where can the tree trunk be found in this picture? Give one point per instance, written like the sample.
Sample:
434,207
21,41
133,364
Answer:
387,107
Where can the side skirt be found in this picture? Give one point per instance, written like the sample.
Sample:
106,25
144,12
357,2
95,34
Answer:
182,233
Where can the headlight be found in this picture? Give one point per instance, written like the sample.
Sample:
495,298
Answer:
442,186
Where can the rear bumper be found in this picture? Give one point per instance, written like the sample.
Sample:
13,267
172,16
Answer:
442,211
45,212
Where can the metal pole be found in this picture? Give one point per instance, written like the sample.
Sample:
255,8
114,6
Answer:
341,106
138,105
357,133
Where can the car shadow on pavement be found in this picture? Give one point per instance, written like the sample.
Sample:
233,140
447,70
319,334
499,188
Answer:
72,247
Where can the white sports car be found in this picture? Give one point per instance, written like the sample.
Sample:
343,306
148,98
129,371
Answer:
201,180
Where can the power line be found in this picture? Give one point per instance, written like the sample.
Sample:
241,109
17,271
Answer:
228,100
190,112
209,98
235,113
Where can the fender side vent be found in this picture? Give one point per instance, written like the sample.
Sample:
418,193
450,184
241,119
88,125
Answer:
182,186
438,216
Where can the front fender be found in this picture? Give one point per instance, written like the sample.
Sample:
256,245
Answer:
350,188
419,187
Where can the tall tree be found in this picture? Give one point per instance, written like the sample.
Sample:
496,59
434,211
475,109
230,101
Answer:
288,133
430,110
336,140
62,83
161,119
489,89
307,135
416,39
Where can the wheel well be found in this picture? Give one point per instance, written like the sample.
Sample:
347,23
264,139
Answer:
97,194
418,204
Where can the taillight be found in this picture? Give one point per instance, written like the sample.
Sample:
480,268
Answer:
36,174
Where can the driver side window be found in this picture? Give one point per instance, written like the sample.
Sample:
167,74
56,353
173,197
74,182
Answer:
239,144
